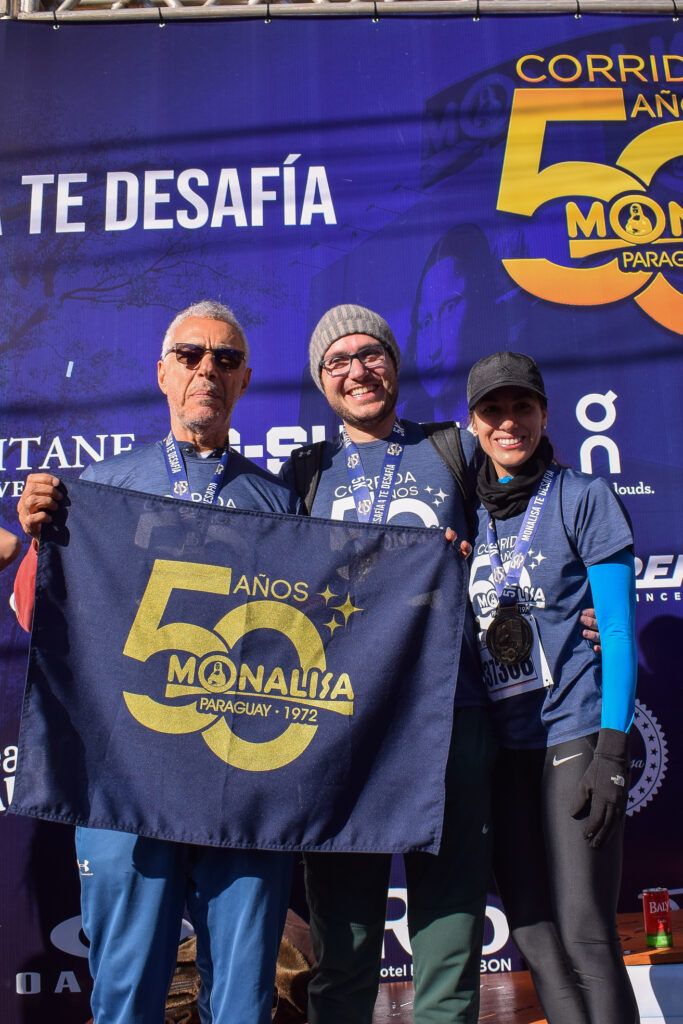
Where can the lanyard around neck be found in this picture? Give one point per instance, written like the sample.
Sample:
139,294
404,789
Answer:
505,581
177,473
369,510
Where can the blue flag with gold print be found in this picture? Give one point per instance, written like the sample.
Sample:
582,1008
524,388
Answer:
236,678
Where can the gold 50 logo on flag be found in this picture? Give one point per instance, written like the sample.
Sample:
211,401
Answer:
206,687
637,234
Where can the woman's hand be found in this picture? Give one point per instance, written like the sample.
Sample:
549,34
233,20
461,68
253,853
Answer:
603,788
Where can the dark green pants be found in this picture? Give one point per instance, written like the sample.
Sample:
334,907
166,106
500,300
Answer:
347,895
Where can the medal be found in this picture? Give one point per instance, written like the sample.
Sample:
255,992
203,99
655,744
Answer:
509,638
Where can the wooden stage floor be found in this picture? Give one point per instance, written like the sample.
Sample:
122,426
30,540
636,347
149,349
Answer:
510,998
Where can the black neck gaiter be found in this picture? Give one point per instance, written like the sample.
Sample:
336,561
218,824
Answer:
503,501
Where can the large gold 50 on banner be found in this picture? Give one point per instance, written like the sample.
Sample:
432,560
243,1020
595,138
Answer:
216,673
622,218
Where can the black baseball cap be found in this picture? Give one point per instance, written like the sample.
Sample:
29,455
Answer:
503,370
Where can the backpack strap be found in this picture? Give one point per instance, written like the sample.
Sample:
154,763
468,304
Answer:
306,465
446,439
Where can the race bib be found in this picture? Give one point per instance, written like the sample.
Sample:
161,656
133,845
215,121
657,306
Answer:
502,681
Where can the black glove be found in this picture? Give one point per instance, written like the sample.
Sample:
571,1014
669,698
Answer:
603,788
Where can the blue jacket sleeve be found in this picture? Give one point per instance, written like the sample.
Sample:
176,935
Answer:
614,597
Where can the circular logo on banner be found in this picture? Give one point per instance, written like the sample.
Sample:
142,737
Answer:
648,758
252,714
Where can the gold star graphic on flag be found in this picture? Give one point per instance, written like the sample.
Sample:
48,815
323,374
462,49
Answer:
347,608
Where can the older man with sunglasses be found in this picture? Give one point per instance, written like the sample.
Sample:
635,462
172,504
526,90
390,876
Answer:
134,889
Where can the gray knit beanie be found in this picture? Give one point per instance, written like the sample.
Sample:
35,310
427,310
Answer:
348,319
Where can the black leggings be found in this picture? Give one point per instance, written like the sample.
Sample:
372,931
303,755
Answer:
560,894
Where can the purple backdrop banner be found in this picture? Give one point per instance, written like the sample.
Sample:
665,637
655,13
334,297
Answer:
513,182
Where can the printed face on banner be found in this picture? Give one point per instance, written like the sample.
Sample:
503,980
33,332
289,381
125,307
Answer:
441,311
201,400
364,399
455,311
509,423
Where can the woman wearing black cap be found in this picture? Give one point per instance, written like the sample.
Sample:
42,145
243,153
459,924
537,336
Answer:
551,541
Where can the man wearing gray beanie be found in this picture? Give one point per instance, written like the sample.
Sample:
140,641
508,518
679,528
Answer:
384,470
341,321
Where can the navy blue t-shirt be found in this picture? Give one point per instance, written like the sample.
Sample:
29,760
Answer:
424,494
246,485
582,524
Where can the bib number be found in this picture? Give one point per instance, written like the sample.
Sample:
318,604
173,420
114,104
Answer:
502,681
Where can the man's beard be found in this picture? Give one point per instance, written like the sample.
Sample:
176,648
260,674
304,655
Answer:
361,421
213,421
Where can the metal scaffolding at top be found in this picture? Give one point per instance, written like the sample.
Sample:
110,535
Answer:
173,10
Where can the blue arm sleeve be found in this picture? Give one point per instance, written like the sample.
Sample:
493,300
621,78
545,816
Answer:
614,596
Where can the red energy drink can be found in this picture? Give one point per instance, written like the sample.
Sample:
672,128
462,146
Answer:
657,914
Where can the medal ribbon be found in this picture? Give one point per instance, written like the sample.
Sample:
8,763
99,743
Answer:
177,473
507,583
367,510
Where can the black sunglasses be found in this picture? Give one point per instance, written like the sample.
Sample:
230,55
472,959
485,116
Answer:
192,355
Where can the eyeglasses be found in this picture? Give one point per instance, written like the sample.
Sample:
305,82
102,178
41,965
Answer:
339,365
192,355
